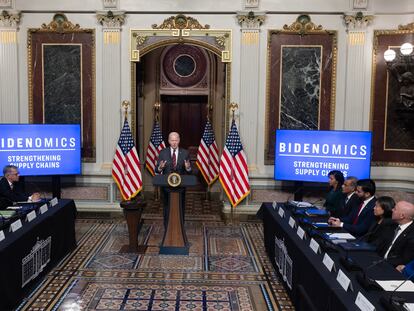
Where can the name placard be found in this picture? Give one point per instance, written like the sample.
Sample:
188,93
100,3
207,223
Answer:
16,225
31,216
53,202
2,237
328,262
292,222
343,280
314,246
43,209
281,212
301,233
363,303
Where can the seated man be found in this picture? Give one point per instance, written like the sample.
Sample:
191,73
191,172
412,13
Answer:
11,189
351,199
399,249
361,217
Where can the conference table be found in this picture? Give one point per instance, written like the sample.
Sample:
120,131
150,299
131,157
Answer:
28,253
309,283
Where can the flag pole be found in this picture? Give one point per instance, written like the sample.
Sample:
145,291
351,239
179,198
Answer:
233,107
208,193
125,105
157,106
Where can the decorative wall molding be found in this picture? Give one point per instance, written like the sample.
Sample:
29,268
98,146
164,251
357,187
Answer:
111,19
357,21
303,25
251,20
180,29
409,26
60,24
110,4
9,20
180,21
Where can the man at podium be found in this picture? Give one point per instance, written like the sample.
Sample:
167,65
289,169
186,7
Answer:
173,159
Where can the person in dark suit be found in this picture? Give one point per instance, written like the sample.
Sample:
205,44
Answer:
398,248
350,199
11,189
362,217
384,225
173,159
334,198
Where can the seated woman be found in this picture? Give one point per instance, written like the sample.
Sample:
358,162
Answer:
384,225
334,198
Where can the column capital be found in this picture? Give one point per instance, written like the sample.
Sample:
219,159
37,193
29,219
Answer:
111,19
10,19
358,21
251,20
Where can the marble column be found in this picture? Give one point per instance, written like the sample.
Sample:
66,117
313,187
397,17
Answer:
111,83
250,23
9,77
356,109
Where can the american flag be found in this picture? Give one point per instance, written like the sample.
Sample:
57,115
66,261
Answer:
207,156
155,145
126,166
233,168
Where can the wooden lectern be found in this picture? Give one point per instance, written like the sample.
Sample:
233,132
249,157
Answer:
175,239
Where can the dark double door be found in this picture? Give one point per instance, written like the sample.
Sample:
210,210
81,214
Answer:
186,115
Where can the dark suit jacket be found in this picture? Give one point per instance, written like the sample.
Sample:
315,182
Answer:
365,219
378,233
402,251
165,155
14,195
353,202
333,203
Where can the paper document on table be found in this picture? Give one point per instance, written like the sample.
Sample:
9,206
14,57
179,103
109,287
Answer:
341,236
390,286
409,306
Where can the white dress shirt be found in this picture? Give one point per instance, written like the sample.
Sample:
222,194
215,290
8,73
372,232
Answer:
402,228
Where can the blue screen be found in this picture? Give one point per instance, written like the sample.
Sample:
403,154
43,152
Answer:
311,155
41,149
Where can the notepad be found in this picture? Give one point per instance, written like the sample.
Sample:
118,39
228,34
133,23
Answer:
7,214
340,236
316,212
390,286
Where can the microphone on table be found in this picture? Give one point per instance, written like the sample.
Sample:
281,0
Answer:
349,264
365,281
292,195
395,303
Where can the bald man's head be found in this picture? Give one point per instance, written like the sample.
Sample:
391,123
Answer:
403,212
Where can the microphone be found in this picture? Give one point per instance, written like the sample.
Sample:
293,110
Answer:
395,302
349,264
292,195
365,281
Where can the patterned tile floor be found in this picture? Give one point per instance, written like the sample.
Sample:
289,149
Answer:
227,268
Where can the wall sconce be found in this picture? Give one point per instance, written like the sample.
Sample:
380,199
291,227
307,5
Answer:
406,50
401,67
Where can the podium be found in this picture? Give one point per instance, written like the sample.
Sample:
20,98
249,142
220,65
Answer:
175,239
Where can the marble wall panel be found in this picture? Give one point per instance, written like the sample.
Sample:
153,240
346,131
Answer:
300,87
392,104
301,83
62,83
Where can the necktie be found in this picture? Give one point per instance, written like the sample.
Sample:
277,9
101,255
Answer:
11,186
174,159
397,230
357,215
